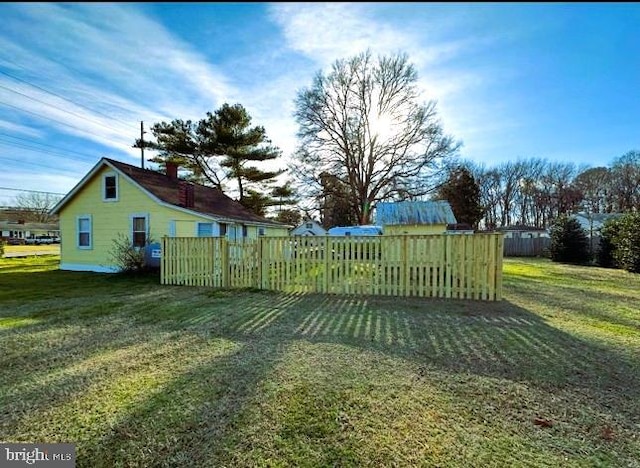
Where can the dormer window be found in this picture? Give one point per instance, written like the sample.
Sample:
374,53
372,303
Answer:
110,187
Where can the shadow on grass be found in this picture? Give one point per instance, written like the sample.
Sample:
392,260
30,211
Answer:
196,417
495,340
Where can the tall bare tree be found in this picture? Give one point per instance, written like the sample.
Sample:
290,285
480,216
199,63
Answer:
35,206
625,172
364,124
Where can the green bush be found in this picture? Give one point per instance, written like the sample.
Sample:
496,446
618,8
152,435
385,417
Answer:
606,255
569,242
627,247
1,248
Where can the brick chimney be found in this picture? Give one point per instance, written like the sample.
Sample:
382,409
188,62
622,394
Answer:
171,169
186,195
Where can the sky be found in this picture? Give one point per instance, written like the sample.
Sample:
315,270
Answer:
520,80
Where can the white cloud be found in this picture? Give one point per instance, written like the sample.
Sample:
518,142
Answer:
325,32
110,58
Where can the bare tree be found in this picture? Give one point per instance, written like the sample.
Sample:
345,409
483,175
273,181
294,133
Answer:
595,185
625,172
35,206
363,124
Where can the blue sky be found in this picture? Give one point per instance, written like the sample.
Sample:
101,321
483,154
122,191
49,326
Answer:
548,80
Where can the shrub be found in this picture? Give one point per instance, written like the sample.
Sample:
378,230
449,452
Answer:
129,259
569,242
627,246
606,256
1,248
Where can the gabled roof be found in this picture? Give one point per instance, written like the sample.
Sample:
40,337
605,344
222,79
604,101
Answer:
414,212
165,190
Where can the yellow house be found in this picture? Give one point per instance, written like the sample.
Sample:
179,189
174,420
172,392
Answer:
414,217
116,199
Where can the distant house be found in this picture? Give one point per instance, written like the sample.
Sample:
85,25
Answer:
521,231
309,228
367,230
414,217
593,222
115,198
22,231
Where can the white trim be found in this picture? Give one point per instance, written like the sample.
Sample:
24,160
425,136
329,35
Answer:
146,225
85,267
104,187
90,218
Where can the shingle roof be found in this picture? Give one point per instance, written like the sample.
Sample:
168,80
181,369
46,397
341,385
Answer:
415,212
206,200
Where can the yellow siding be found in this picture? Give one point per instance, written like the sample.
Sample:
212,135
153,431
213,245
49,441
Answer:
414,229
109,218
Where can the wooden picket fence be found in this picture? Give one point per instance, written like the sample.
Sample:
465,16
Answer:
445,266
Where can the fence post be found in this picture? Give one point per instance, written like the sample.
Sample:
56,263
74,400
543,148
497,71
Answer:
163,256
327,252
224,260
259,265
499,255
404,261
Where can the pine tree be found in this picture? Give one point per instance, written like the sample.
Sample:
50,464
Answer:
569,242
219,149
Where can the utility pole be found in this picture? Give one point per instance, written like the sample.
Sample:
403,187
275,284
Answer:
142,132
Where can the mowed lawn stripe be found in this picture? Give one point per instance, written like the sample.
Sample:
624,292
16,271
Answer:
137,374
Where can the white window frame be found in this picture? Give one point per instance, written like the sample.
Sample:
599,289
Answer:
104,187
78,232
146,227
211,223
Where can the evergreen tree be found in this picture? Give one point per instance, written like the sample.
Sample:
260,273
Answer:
335,207
463,194
627,251
569,242
219,149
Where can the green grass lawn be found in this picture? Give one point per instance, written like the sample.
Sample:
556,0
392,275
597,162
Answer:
138,374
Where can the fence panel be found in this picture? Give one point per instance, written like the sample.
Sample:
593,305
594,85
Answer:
447,266
525,246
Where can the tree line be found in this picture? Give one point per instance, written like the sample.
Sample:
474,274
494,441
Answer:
535,191
364,136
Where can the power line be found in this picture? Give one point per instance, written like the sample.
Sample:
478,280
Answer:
45,117
39,150
128,124
30,191
44,166
60,108
44,144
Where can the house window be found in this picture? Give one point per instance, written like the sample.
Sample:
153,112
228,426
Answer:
205,230
110,187
84,232
244,231
309,226
139,230
223,229
261,231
